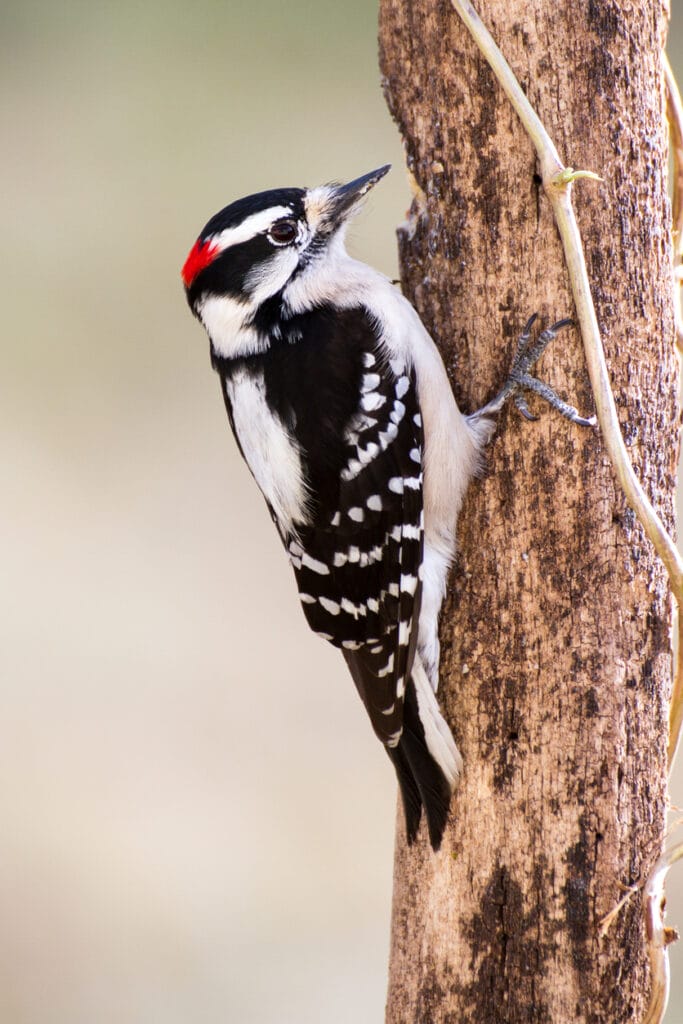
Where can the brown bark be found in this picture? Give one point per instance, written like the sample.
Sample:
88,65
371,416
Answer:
556,634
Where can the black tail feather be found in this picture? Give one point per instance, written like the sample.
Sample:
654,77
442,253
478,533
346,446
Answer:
431,783
410,795
421,780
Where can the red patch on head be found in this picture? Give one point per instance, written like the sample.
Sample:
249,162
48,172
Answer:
201,255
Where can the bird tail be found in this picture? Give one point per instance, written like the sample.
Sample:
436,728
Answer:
426,759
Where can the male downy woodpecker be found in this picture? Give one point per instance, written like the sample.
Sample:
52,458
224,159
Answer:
341,406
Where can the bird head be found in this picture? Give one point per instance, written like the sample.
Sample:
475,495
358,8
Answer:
274,245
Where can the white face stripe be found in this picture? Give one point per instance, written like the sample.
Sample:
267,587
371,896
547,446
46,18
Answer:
268,278
249,228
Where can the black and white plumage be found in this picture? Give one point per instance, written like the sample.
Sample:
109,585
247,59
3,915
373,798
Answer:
342,409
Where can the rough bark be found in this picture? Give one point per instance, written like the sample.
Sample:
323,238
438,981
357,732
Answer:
556,635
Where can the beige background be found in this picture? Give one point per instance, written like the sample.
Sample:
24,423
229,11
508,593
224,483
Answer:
196,822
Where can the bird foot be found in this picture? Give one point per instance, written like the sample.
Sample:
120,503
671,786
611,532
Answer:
520,380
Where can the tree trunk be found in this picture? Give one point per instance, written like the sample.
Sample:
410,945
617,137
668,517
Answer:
556,664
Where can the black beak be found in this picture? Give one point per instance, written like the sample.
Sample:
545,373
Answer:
345,198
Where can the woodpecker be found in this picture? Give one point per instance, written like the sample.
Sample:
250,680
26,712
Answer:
342,409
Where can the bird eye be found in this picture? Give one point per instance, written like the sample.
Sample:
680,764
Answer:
283,232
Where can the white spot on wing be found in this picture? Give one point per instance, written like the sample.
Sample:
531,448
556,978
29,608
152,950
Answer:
388,435
372,401
397,412
388,668
314,565
402,385
368,453
330,606
408,584
352,470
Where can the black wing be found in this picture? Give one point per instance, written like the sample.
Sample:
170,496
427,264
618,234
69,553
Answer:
353,414
358,565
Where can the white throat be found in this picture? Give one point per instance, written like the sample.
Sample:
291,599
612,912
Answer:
332,277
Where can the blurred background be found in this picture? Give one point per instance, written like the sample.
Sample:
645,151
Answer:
196,822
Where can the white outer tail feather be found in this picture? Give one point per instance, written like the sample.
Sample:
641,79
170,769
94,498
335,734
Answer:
438,736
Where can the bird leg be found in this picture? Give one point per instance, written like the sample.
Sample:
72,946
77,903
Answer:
520,380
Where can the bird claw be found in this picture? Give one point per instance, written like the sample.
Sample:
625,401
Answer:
520,403
520,380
